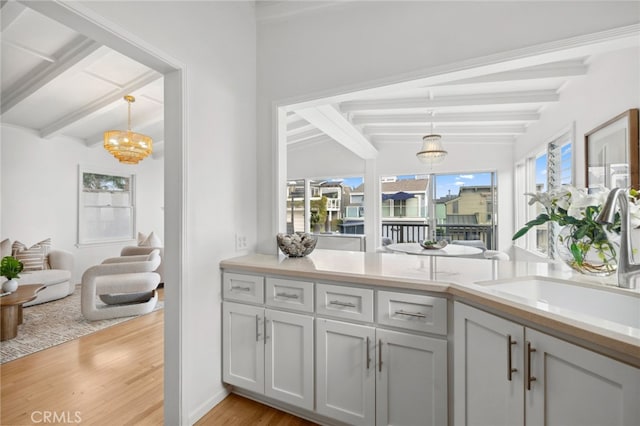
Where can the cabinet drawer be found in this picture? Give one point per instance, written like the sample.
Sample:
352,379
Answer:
290,294
344,302
412,311
244,288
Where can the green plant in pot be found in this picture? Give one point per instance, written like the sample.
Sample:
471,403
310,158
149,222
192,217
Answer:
10,267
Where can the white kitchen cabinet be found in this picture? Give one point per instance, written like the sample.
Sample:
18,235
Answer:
243,346
289,358
269,352
505,373
411,379
486,390
372,376
575,386
345,364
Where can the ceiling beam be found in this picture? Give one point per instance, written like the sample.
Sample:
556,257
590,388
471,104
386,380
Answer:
331,122
300,136
97,107
534,96
320,139
9,12
298,126
459,139
571,68
462,117
74,55
445,130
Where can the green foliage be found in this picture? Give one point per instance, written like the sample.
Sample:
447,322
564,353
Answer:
318,210
10,267
586,232
99,182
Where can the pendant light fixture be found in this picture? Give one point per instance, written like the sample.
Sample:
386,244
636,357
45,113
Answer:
127,146
432,151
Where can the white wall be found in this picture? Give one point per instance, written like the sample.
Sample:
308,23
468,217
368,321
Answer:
611,87
216,42
361,45
40,192
323,160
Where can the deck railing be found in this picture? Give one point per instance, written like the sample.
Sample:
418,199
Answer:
413,233
405,232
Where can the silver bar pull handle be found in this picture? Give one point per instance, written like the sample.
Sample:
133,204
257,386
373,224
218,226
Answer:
411,314
530,378
510,369
257,328
367,354
287,295
237,287
380,355
339,303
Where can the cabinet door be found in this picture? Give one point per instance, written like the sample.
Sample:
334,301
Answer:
575,386
411,383
243,346
486,347
345,371
289,358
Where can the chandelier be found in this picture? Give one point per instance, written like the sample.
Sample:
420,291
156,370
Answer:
432,151
127,146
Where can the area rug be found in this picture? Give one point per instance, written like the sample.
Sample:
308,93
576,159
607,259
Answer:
51,324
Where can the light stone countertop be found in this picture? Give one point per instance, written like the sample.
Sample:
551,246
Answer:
458,278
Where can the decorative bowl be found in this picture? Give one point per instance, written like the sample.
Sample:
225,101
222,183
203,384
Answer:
433,245
298,244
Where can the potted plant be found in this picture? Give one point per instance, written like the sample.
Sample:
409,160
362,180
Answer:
10,267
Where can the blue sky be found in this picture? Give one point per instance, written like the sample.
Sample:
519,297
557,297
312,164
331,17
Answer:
444,183
450,184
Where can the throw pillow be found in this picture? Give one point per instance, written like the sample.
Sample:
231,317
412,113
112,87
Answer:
5,248
151,241
34,258
141,238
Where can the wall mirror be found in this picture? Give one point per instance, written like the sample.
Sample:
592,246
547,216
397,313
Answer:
612,153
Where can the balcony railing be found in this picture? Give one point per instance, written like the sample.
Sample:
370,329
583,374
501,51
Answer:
405,232
413,233
333,204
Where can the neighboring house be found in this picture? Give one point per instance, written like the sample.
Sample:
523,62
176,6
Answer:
468,215
336,195
472,200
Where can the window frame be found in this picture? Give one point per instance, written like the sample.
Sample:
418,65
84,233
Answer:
82,237
526,182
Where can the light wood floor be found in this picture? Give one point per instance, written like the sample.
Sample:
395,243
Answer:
111,377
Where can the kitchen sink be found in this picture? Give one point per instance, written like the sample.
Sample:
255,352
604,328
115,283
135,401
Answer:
602,303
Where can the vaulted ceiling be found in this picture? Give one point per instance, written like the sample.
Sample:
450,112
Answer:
57,82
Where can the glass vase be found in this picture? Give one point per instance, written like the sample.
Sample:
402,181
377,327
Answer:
586,256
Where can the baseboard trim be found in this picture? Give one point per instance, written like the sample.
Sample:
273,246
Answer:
207,406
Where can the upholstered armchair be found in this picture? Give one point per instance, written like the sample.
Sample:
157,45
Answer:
140,250
125,285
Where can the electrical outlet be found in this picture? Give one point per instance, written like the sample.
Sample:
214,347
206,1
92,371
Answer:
241,242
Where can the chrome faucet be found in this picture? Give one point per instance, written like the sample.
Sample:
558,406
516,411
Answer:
628,271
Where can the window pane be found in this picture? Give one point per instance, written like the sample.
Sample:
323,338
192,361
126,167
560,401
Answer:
335,205
106,207
107,223
465,207
403,207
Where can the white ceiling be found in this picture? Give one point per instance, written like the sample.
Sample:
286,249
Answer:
57,82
